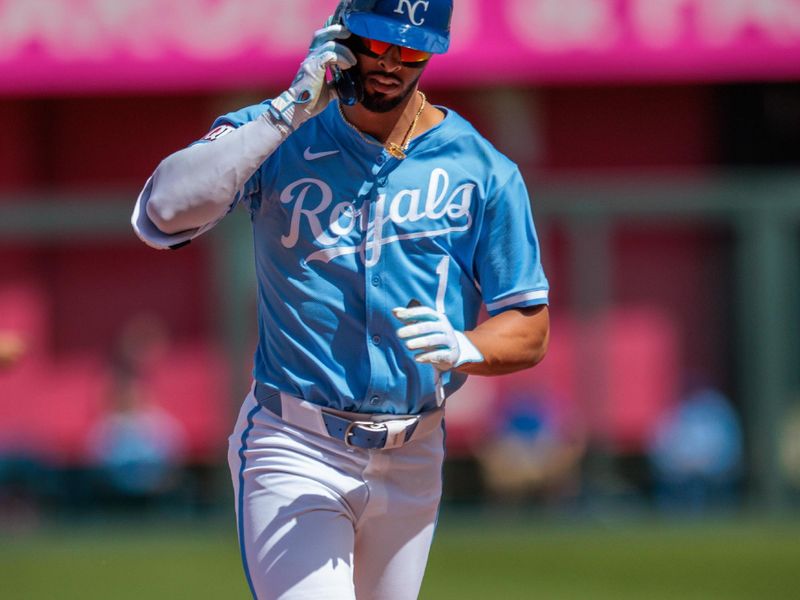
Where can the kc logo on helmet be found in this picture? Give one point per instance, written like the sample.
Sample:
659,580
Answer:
404,6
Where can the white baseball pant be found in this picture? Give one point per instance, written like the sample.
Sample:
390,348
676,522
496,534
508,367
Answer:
318,520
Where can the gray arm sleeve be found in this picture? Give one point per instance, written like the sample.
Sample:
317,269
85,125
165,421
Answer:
196,186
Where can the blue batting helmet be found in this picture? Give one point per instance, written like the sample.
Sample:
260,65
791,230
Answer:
419,24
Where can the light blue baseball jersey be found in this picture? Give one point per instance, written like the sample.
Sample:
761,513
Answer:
344,233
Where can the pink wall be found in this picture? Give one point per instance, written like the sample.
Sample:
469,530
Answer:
87,45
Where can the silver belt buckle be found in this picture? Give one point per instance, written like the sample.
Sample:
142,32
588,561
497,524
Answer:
372,425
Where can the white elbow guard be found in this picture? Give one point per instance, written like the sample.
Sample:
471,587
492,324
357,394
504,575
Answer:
151,235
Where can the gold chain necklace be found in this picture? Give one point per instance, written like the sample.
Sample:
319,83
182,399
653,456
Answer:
396,150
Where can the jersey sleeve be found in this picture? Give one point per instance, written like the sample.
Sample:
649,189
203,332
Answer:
508,260
233,120
147,231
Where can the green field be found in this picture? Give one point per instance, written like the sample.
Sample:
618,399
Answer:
473,557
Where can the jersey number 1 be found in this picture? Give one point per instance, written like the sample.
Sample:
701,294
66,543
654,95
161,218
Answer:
442,270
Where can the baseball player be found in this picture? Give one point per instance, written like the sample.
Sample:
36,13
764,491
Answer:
382,223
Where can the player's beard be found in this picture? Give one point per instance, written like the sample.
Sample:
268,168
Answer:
381,103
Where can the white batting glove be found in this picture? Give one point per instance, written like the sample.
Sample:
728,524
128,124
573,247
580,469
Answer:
432,336
310,92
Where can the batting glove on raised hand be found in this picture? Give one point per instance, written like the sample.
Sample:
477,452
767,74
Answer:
431,335
310,92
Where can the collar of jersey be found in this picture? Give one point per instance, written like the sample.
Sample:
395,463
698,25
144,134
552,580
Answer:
427,139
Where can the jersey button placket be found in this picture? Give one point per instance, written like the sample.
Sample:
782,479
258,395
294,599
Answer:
375,298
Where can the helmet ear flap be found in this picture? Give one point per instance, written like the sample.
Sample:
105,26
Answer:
338,15
356,5
347,83
365,5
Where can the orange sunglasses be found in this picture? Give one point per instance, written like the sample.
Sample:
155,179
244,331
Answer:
376,48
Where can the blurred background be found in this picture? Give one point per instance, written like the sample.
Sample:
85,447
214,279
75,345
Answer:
661,144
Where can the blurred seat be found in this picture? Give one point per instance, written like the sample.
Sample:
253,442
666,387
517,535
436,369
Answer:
23,313
48,406
635,354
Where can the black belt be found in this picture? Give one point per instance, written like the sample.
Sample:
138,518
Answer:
359,433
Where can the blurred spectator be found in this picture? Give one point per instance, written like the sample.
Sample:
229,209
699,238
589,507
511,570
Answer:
535,453
12,347
790,446
138,448
20,481
696,453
